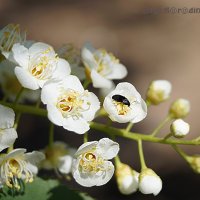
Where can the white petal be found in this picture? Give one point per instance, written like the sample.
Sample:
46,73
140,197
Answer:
50,91
16,153
62,69
26,79
54,115
34,157
21,55
65,164
140,111
118,71
94,106
72,82
7,117
107,148
106,175
86,147
99,81
7,138
79,126
32,168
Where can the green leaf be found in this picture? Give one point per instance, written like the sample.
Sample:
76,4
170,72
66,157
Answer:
44,190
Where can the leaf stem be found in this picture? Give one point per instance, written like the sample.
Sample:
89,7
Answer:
85,137
129,127
141,154
51,134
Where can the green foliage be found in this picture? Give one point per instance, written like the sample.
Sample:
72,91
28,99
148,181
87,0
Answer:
43,190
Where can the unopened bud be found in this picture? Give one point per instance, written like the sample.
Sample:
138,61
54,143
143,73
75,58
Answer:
179,128
180,108
194,162
158,91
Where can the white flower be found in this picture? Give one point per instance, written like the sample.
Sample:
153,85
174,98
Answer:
10,35
17,165
180,108
149,182
102,67
127,179
70,53
38,64
159,91
11,86
91,166
180,128
69,105
7,133
58,156
124,104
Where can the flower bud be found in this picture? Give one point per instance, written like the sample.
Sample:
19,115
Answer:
158,91
149,182
179,128
180,108
127,179
194,162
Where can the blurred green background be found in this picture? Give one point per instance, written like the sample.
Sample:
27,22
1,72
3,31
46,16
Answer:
152,46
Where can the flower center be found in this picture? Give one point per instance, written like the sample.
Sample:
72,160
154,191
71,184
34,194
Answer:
71,103
122,109
91,163
14,170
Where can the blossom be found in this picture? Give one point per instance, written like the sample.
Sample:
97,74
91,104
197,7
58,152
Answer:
90,164
180,108
7,133
10,84
18,165
58,156
124,104
38,64
69,105
179,128
149,182
158,91
10,35
127,179
102,67
70,53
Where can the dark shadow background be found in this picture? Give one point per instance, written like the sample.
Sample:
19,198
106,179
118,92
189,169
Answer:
152,46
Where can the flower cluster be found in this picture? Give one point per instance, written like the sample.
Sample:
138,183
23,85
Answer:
60,80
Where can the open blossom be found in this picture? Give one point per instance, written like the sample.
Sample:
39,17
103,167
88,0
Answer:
127,179
159,91
10,35
124,104
10,84
69,105
18,165
102,67
7,133
149,182
58,156
38,64
91,166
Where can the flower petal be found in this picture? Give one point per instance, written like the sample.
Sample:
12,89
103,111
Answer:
7,117
86,147
65,164
21,55
15,153
26,79
7,138
107,148
34,157
99,81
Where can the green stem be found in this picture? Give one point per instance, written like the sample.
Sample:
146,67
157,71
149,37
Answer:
86,83
38,103
129,127
180,152
168,136
85,137
117,160
17,120
197,139
51,134
161,125
18,95
141,154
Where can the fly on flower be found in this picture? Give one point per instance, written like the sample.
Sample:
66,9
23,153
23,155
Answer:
38,64
91,166
102,67
69,105
124,104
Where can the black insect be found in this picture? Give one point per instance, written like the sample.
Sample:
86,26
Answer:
121,99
